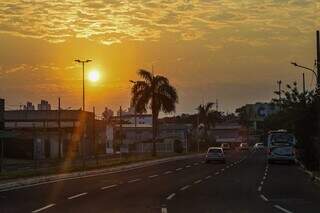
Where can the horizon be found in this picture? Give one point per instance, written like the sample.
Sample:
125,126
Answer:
231,51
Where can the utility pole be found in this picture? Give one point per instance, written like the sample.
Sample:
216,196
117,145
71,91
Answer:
1,128
59,128
303,84
279,89
120,115
318,59
94,135
198,132
217,105
83,88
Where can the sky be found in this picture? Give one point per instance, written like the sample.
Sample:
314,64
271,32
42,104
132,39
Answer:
230,50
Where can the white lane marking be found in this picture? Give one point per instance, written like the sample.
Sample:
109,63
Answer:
198,181
196,164
185,187
164,210
76,196
178,169
262,183
167,172
44,208
108,187
259,189
188,166
203,161
227,167
222,170
282,209
264,198
264,177
216,173
153,176
171,196
208,177
134,180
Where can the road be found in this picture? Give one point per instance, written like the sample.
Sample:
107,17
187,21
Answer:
246,183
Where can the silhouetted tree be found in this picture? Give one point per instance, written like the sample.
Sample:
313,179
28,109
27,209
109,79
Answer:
155,92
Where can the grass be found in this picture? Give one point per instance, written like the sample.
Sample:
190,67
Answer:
69,167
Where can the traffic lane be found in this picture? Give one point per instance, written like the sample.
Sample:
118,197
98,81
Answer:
289,187
234,190
31,198
144,195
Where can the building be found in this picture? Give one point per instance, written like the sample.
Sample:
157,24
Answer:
232,133
28,106
130,117
39,133
44,105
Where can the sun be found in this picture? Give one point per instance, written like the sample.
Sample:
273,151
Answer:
94,75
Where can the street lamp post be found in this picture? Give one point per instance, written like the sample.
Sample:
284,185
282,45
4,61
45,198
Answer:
309,69
83,88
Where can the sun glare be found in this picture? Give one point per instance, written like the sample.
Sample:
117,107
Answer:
94,75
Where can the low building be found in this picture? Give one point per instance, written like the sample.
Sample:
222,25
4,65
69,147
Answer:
39,133
232,133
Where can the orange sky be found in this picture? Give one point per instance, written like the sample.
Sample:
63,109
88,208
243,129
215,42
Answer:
231,50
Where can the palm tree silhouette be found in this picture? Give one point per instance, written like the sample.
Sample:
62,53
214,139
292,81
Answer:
204,113
156,93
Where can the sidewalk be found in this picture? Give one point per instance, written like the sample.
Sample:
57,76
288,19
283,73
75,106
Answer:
39,180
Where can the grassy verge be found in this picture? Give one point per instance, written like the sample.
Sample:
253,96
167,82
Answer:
68,167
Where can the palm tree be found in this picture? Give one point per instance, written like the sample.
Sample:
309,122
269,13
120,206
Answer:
204,111
156,93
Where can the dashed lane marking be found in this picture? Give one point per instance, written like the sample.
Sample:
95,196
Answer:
164,210
198,181
217,173
76,196
178,169
171,196
264,198
261,182
184,188
282,209
196,164
153,176
208,177
44,208
188,166
134,180
259,188
167,172
108,187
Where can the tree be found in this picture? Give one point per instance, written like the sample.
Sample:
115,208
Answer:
156,93
205,116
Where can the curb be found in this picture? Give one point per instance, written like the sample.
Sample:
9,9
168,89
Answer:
29,182
311,174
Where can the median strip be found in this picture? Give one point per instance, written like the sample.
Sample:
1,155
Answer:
43,208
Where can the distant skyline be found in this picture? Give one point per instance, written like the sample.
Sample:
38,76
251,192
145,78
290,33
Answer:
234,51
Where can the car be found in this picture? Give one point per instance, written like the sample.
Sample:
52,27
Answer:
258,146
244,146
225,146
215,154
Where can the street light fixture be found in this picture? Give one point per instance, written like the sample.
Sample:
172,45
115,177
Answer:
303,67
83,95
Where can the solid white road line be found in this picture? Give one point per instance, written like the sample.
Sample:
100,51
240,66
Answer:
108,187
282,209
208,177
264,198
44,208
164,210
134,180
185,187
171,196
167,172
259,189
153,176
198,181
76,196
178,169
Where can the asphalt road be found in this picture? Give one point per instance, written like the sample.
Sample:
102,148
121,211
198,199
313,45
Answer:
246,183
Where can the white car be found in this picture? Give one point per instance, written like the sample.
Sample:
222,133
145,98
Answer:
258,146
225,146
215,154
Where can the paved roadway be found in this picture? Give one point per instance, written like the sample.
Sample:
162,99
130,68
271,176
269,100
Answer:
244,184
